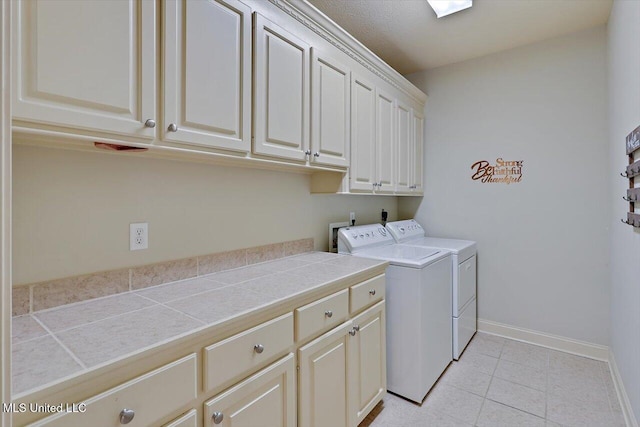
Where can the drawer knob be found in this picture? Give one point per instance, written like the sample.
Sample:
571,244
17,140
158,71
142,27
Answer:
217,417
172,127
356,328
258,348
328,313
372,292
150,123
352,332
126,415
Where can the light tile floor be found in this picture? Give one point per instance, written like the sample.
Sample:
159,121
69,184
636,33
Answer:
500,382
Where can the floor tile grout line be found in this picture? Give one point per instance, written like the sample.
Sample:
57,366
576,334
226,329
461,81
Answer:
513,407
73,356
546,388
602,377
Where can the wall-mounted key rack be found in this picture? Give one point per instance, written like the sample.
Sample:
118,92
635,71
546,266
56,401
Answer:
633,194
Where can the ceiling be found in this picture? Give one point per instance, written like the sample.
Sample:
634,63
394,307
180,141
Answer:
407,35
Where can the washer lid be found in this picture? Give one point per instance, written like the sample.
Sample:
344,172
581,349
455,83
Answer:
465,249
405,255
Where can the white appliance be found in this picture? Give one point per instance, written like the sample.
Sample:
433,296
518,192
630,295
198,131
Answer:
463,255
418,307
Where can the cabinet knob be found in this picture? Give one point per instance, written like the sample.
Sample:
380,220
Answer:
173,127
356,328
150,123
316,154
258,348
217,417
328,313
372,292
308,152
126,415
352,332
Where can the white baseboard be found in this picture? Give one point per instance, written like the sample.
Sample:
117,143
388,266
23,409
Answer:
568,345
629,417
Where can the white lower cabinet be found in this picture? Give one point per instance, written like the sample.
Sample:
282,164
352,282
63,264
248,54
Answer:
342,374
367,362
265,399
250,379
323,394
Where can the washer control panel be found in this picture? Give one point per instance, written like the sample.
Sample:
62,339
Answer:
352,239
405,230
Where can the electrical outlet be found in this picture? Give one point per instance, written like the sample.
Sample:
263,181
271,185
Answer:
138,236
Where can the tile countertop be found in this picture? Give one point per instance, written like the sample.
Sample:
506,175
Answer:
52,345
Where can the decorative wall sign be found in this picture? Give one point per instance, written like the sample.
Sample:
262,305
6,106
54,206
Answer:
633,140
502,172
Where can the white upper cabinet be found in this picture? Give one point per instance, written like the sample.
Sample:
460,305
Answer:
385,141
404,156
88,65
330,110
281,92
417,151
362,173
207,73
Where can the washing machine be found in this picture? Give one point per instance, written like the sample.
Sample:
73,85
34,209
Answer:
418,307
463,266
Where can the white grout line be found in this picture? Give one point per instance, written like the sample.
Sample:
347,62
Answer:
91,322
184,314
73,356
13,341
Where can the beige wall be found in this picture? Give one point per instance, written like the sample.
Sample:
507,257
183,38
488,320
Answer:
542,243
72,210
624,115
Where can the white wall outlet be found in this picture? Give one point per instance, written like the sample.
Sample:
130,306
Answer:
138,236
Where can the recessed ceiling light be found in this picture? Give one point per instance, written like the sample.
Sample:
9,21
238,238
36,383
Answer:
447,7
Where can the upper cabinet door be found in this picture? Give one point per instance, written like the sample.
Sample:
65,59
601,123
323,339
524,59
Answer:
207,73
87,65
362,173
385,141
417,151
281,92
330,110
404,158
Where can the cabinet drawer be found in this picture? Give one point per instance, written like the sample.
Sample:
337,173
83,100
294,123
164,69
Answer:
152,397
366,293
190,419
225,360
321,315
